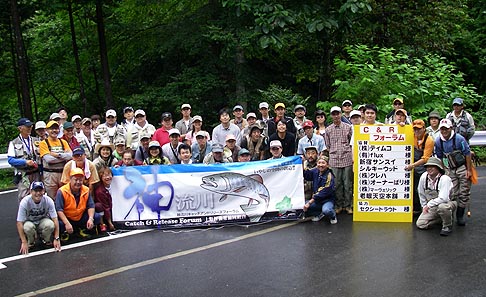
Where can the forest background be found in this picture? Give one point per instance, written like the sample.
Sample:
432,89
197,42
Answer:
90,55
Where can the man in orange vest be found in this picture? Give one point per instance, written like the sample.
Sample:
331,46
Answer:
75,207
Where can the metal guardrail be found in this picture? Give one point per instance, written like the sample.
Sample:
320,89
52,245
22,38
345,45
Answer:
479,139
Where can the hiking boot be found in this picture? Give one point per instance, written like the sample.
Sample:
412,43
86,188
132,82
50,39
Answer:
445,231
102,227
64,237
84,234
460,216
349,210
333,221
318,218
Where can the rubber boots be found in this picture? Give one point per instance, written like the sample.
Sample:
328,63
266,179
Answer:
460,216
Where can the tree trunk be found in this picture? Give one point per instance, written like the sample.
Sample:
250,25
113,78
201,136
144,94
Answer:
26,107
104,54
239,77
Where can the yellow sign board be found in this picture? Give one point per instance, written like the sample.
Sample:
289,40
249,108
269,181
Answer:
383,189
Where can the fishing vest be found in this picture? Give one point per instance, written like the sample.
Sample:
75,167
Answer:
72,210
58,167
254,149
418,154
431,193
462,127
21,152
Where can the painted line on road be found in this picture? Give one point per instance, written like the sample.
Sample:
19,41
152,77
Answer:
8,191
71,246
155,260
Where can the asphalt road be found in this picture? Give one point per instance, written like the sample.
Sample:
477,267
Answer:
273,259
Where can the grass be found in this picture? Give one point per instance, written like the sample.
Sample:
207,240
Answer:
6,179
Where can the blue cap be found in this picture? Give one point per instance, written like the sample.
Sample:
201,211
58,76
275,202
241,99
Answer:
24,122
37,185
458,101
78,151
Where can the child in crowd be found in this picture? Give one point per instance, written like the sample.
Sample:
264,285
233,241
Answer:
102,198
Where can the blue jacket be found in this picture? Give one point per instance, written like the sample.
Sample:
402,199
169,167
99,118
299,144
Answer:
460,144
322,185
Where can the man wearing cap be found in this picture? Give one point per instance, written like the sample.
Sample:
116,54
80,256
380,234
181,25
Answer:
55,153
423,147
434,189
110,128
310,139
337,138
217,155
40,130
129,118
140,127
251,119
22,156
397,104
310,162
286,138
79,161
275,149
462,121
76,120
347,107
184,125
244,155
231,148
201,147
238,117
68,135
299,119
400,117
256,143
455,153
37,216
433,128
86,139
280,114
57,118
75,206
225,128
171,150
162,134
264,117
355,117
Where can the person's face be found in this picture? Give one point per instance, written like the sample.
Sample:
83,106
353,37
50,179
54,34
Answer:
400,117
238,113
311,156
79,159
264,112
174,139
336,117
77,124
251,121
167,123
201,140
154,151
53,131
128,115
255,134
197,124
140,119
127,159
280,112
432,171
86,127
76,182
370,116
397,104
457,108
347,108
299,113
111,120
37,195
276,151
244,158
186,112
356,120
322,165
224,118
63,114
231,143
419,132
41,132
145,142
106,178
446,132
362,110
185,154
120,148
25,130
105,152
308,131
95,123
320,118
281,127
218,156
69,133
434,122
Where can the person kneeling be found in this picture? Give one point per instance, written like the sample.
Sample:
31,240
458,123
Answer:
75,206
324,196
433,189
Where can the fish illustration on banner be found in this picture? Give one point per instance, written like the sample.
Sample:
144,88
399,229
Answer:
250,187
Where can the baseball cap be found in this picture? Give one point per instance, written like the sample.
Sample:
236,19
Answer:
144,134
230,137
434,114
347,102
37,185
418,124
401,110
250,115
119,141
154,143
307,124
52,123
398,99
217,148
166,115
445,123
201,133
197,118
299,106
185,105
54,116
174,131
263,105
335,108
40,125
275,143
237,107
77,151
67,125
139,112
76,171
75,117
310,148
280,104
110,112
85,120
458,101
355,113
243,151
24,122
127,108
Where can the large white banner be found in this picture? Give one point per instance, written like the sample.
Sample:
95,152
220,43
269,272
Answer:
164,196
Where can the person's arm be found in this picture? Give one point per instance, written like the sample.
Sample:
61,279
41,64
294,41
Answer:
325,191
445,187
421,189
90,222
57,241
24,245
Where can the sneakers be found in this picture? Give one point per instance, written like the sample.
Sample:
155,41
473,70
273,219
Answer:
445,231
64,237
102,227
333,221
349,210
318,218
83,234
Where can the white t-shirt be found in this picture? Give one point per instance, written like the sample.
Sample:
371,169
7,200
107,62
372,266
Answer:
34,212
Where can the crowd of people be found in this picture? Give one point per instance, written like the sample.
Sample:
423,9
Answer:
69,161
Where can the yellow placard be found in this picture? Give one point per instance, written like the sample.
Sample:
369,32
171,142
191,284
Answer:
383,189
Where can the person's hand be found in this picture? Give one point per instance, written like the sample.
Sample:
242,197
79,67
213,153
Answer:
69,228
306,206
425,209
24,248
468,174
90,223
57,245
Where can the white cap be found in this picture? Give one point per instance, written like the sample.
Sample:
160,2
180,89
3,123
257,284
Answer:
237,107
197,118
174,131
275,143
54,116
75,117
201,133
335,108
110,112
445,123
40,125
251,114
263,105
139,111
355,113
185,105
347,101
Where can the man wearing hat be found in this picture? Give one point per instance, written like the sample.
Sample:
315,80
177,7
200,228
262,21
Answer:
397,104
337,138
256,143
347,108
79,161
110,128
238,119
22,156
310,139
75,206
244,155
462,121
400,117
184,125
280,114
142,151
86,139
434,188
231,148
276,149
55,153
251,119
201,147
225,128
171,150
68,135
433,120
76,120
310,162
299,119
162,134
455,153
129,118
40,130
423,147
217,155
264,117
140,127
37,216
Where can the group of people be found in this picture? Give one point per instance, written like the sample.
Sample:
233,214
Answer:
70,161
